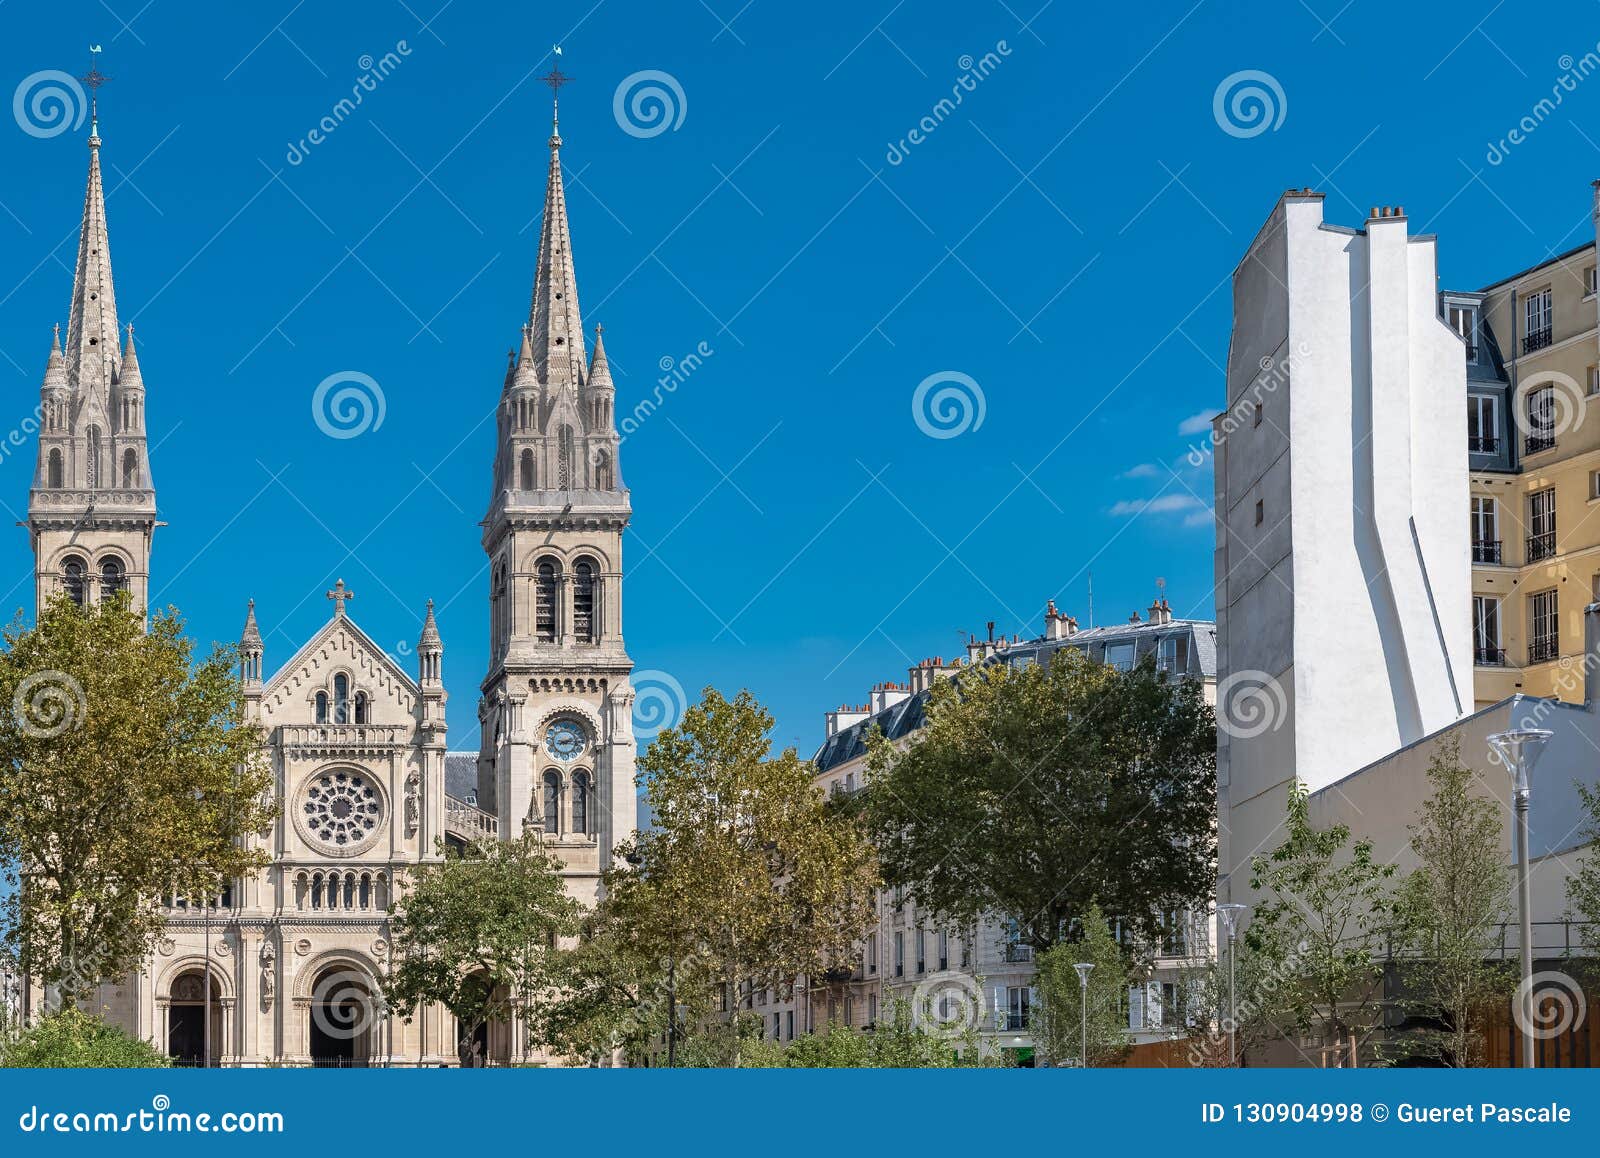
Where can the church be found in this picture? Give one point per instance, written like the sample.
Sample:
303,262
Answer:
284,967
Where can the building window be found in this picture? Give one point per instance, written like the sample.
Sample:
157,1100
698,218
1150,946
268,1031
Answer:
1541,432
1017,1007
1120,656
1486,648
1261,512
363,708
580,803
899,954
1543,641
1172,654
1594,380
1588,282
54,474
1541,524
788,1024
130,469
603,480
112,578
341,699
1463,320
1483,424
73,580
872,1009
1537,315
583,601
1260,410
922,951
525,481
944,950
544,602
1485,530
321,701
872,954
552,803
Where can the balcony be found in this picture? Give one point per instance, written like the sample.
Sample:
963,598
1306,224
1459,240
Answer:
1543,650
1534,443
1536,340
1483,444
1017,954
1541,546
1489,656
1486,551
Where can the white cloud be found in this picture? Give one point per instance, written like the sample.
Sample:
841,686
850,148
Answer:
1201,518
1143,470
1161,505
1197,423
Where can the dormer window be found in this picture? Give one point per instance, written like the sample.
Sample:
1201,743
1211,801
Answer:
1463,319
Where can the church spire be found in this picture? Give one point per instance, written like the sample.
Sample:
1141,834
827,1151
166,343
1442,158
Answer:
557,326
92,350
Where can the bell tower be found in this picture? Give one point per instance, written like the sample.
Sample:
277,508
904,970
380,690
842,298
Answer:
92,507
557,750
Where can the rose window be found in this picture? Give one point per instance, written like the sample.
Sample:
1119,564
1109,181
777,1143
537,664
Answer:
342,809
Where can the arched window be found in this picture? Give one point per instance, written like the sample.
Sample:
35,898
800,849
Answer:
55,473
552,803
341,699
583,601
73,579
363,708
322,707
544,602
92,450
580,803
564,460
526,480
130,469
602,470
112,578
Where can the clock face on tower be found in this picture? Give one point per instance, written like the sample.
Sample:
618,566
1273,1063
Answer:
565,740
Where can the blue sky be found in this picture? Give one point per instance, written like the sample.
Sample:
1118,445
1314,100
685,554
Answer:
1063,238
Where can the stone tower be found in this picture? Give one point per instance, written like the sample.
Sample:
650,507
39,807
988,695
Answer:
557,749
92,508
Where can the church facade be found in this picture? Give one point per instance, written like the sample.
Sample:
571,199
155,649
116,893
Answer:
285,967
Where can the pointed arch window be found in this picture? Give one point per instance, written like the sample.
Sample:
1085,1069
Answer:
552,803
583,579
322,707
92,463
363,708
564,460
55,473
602,470
112,578
341,699
526,479
74,579
580,803
544,602
130,469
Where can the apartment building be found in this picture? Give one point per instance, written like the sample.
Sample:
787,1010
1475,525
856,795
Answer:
1534,452
979,978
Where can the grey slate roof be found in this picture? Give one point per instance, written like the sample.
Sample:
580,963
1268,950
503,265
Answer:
461,779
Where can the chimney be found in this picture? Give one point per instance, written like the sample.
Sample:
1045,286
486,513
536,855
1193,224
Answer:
1134,618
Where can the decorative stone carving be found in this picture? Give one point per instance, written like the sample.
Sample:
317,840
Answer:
303,946
167,947
413,803
269,974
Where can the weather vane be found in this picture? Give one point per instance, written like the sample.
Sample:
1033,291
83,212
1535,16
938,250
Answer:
94,78
555,78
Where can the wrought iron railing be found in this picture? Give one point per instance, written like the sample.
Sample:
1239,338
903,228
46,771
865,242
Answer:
1489,656
1543,650
1483,443
1486,550
1537,340
1534,443
1541,546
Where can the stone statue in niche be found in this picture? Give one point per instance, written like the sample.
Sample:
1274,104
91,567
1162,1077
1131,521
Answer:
413,804
269,974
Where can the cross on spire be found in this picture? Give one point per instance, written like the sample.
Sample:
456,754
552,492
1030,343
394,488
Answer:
555,78
339,594
92,80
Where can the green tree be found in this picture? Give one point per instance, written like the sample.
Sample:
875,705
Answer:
614,993
1583,886
73,1039
747,876
1449,909
478,932
1059,1028
898,1041
126,774
1325,906
1032,791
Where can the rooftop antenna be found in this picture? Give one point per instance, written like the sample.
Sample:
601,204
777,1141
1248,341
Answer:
1161,589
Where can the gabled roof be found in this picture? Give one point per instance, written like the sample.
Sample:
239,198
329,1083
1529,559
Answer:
340,622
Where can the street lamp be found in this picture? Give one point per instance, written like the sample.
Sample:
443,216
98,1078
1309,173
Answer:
1230,914
1084,968
1519,751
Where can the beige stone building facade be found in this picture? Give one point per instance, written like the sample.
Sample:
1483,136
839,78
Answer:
357,744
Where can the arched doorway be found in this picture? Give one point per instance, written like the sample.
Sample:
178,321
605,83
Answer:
186,1020
346,1018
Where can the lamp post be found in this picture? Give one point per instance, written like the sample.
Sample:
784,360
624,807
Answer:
1519,751
1230,914
1084,968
